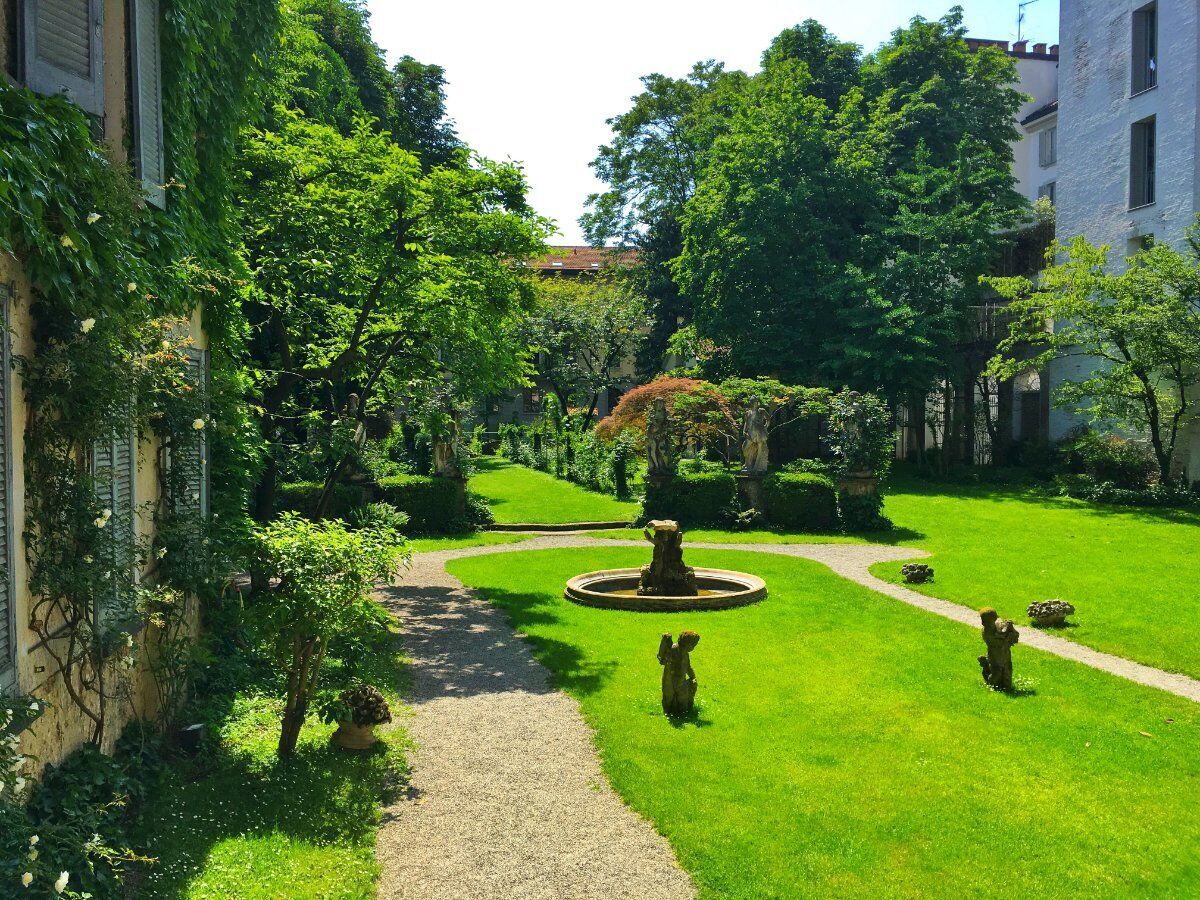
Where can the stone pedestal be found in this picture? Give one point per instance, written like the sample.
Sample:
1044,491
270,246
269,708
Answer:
858,484
750,491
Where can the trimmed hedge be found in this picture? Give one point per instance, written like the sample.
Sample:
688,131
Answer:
693,498
432,504
800,500
302,496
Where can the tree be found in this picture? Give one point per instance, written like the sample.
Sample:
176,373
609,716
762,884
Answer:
1136,332
419,122
651,168
581,332
321,576
370,277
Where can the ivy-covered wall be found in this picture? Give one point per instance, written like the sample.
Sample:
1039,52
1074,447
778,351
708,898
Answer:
111,296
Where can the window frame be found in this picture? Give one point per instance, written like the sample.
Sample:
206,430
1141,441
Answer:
1143,59
1048,147
1143,163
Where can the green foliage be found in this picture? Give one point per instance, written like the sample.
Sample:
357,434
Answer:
321,576
1110,458
692,497
1137,331
302,497
430,503
861,433
805,502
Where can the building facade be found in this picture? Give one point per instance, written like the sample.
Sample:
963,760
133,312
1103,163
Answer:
103,55
1128,129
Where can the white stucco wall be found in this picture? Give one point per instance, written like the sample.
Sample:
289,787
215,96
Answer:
1038,79
1096,113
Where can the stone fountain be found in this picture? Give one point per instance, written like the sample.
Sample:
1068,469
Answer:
666,584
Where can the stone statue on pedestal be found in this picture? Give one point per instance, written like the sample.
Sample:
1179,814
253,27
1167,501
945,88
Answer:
756,429
446,447
1000,635
658,439
679,679
666,576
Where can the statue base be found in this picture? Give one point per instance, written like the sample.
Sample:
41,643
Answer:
858,484
750,490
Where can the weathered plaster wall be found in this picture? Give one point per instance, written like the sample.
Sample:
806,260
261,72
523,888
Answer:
1038,80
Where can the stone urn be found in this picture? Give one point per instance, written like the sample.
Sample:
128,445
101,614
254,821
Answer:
361,709
1048,613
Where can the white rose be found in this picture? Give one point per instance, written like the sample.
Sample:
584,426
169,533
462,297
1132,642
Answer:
61,884
131,287
27,879
100,521
93,218
33,840
198,424
87,325
66,241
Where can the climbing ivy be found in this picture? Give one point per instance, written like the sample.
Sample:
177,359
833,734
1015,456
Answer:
114,283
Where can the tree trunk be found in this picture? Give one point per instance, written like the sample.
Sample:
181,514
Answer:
1002,446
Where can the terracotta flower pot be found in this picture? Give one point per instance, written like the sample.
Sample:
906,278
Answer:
354,737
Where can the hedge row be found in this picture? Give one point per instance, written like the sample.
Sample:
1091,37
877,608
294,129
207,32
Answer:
433,505
800,501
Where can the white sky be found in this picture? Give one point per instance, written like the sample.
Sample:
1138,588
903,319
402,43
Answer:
534,81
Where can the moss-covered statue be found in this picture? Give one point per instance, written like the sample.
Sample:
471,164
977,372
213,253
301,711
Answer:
1000,635
666,576
679,679
756,431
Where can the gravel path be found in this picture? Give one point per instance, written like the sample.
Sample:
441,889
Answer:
508,800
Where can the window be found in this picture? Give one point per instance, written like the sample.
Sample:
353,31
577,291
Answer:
192,455
9,16
1048,146
1047,191
114,471
8,629
63,50
1141,163
1145,48
147,99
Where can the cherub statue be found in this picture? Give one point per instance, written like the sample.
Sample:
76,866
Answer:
679,679
1000,635
755,431
658,438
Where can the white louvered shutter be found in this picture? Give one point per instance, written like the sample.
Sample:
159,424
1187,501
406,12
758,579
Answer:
147,100
63,50
7,622
192,454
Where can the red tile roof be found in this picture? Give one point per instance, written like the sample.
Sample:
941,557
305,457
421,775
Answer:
577,259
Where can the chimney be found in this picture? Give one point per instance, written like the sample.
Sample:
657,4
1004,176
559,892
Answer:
1018,47
1054,49
1039,49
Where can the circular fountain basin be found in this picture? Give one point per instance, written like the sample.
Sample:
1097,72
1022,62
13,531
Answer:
617,589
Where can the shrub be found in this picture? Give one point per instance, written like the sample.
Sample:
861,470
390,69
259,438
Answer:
693,497
432,504
378,515
802,501
1083,487
862,512
1129,465
321,576
302,497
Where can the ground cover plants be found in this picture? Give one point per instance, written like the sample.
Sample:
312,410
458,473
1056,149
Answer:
844,743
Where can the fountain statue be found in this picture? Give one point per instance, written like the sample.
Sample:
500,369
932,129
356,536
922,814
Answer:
679,679
666,576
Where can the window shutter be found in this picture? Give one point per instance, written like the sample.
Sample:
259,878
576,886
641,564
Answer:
7,624
114,468
147,100
63,53
193,455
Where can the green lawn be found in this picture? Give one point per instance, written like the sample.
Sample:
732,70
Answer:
521,495
457,541
235,822
846,746
1131,573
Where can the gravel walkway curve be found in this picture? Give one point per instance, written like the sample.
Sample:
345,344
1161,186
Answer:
508,800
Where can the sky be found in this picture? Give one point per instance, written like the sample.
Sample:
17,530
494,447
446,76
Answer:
534,81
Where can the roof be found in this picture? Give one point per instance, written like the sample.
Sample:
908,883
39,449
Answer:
1019,49
575,259
1041,112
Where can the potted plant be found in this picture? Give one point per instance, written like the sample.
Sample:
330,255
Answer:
357,711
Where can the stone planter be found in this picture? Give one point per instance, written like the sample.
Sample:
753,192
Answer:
354,737
1049,613
750,490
